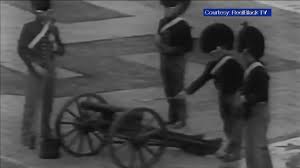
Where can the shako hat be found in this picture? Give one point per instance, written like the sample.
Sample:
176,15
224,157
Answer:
41,5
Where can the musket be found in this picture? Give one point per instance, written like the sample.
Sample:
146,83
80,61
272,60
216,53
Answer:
49,78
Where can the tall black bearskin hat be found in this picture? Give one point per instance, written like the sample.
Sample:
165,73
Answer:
169,3
173,3
252,39
214,35
41,5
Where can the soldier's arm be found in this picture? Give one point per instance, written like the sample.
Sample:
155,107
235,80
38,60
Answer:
181,38
167,49
26,54
198,83
171,50
260,81
60,50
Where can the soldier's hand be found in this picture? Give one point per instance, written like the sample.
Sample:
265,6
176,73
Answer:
219,52
34,72
181,95
40,71
46,46
238,106
55,47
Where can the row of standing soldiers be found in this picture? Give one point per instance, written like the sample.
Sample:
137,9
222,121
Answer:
243,86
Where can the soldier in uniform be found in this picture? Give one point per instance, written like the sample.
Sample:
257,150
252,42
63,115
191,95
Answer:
174,40
217,40
38,45
254,97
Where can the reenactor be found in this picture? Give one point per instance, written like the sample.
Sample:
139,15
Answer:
38,45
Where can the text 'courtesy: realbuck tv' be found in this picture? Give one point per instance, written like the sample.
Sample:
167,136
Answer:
237,12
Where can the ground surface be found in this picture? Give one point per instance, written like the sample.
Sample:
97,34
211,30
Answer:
110,51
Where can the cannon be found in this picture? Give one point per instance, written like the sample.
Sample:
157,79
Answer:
136,137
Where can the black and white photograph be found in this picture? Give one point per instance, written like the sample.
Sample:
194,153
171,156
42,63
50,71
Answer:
150,84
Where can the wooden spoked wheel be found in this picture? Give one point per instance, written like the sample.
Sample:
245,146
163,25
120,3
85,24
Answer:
137,138
77,128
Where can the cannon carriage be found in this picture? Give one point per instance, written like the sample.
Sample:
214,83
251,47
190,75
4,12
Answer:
87,123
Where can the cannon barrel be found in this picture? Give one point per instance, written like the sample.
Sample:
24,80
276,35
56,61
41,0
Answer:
101,107
195,144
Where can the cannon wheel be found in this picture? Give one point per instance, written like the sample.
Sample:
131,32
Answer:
142,132
78,137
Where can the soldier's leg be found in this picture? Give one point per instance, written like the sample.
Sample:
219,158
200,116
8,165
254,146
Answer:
31,110
167,85
233,129
176,79
227,152
172,72
173,109
237,127
224,110
179,78
235,137
257,152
